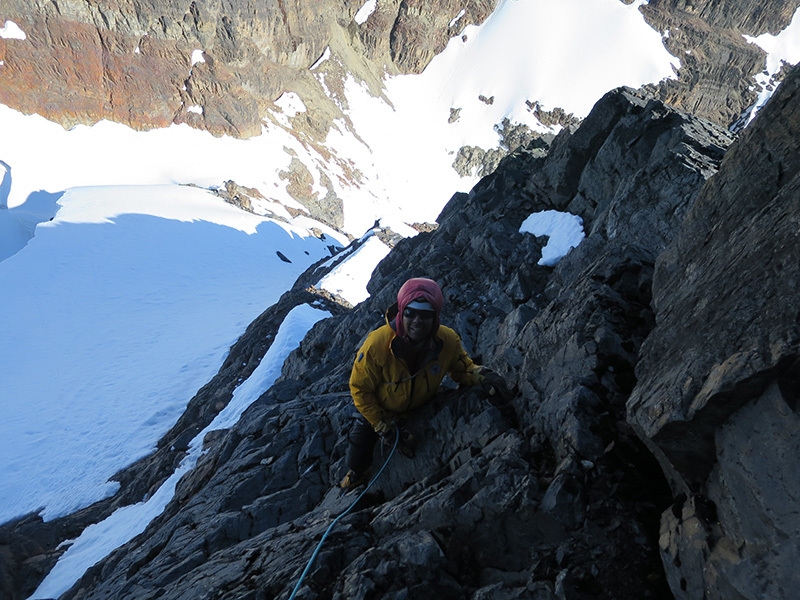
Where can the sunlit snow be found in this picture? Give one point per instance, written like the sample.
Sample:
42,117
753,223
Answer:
98,540
114,315
347,279
563,230
562,54
365,11
12,31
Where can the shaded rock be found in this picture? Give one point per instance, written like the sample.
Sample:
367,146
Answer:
717,390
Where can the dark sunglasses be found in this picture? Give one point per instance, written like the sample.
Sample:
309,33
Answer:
425,315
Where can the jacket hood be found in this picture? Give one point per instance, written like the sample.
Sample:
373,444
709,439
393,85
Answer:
414,289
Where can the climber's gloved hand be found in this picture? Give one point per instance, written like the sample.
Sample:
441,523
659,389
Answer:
495,386
389,432
383,427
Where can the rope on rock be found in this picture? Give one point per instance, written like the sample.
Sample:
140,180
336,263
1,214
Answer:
349,508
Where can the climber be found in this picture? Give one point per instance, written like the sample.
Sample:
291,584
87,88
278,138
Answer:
399,368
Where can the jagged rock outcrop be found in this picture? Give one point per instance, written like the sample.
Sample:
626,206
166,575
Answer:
719,377
550,496
407,35
718,65
475,160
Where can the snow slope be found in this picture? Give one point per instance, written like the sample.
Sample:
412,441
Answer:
114,315
100,539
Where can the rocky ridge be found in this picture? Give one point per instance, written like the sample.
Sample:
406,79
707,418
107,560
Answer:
594,472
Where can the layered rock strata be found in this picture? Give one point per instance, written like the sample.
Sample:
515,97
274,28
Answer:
716,79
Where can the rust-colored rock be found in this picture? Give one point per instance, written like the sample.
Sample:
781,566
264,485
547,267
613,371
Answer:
133,62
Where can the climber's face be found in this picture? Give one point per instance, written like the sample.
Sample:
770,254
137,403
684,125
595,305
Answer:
418,323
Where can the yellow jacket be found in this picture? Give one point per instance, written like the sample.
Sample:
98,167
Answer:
382,384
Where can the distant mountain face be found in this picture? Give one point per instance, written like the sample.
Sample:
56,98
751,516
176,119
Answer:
137,62
222,66
717,64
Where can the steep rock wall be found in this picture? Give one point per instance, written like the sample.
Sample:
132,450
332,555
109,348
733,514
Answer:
718,378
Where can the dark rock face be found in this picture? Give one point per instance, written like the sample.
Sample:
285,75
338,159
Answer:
549,496
718,377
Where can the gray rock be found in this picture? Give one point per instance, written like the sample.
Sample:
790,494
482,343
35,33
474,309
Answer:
506,499
717,379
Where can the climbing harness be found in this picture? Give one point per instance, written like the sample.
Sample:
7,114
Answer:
349,508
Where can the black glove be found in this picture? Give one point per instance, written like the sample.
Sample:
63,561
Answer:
499,395
495,387
404,444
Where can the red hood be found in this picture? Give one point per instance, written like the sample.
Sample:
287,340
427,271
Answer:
413,289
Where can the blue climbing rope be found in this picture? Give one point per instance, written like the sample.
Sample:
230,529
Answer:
349,508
